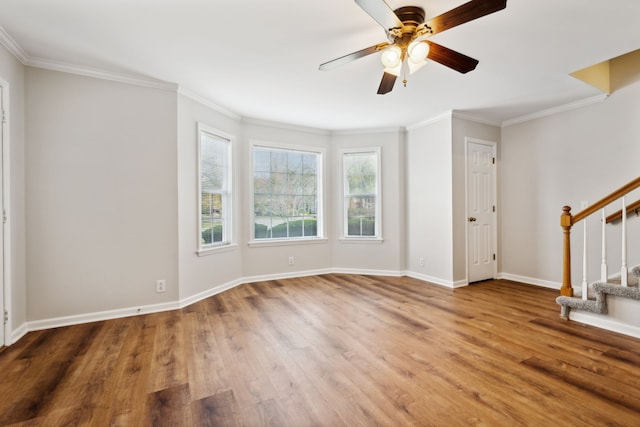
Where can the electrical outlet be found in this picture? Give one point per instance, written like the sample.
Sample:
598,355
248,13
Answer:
290,260
161,286
421,261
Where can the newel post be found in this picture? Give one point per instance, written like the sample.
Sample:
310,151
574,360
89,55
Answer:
565,222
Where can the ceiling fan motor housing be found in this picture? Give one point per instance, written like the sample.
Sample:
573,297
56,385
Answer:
410,15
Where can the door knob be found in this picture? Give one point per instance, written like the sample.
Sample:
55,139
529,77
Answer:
472,219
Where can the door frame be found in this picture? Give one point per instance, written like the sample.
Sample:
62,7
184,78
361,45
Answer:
494,189
5,217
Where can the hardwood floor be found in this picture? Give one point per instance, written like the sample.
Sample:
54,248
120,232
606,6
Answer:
332,350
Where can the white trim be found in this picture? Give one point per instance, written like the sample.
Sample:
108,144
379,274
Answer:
228,198
187,93
12,46
360,240
443,116
6,205
212,250
586,318
367,272
78,319
286,242
530,280
285,126
555,110
603,322
378,207
436,280
19,332
185,302
280,276
322,177
132,79
494,189
370,131
476,119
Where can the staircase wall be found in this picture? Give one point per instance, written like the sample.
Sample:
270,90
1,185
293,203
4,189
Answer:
565,158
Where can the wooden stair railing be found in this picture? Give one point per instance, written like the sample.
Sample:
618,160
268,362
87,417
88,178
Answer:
633,207
567,221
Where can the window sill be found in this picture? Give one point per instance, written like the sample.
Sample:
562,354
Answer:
217,249
286,242
361,240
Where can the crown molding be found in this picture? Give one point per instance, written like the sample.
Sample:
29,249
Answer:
344,132
286,126
431,120
101,74
207,103
475,119
556,110
12,46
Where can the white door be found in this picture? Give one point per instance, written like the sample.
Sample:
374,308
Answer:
481,208
2,302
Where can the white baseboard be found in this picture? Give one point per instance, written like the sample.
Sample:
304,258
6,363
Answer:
530,280
173,305
435,280
78,319
367,272
603,322
281,276
19,332
209,292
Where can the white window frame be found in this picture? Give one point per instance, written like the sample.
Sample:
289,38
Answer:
227,196
320,214
377,237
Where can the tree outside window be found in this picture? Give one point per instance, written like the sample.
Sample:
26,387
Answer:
361,193
286,186
215,189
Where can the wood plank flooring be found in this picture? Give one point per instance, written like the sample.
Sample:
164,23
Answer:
331,350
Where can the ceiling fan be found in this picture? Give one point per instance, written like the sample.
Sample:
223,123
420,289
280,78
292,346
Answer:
408,32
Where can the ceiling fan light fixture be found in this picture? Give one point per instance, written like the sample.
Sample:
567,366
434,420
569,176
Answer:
396,71
391,57
415,66
418,51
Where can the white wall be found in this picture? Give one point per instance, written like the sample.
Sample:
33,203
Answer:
436,191
430,201
265,260
198,274
563,159
12,71
101,194
463,129
389,255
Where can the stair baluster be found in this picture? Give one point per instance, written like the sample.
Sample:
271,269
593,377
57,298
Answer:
623,269
567,220
604,274
585,283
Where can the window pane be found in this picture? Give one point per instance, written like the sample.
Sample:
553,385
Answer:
279,161
285,204
310,164
214,157
214,188
361,216
360,171
361,193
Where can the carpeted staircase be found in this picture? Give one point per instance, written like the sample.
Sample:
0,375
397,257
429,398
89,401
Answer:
596,301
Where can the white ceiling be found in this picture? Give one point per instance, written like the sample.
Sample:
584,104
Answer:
259,59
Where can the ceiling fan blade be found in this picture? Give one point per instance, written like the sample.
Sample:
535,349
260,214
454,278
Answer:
465,13
380,11
451,58
329,65
388,80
